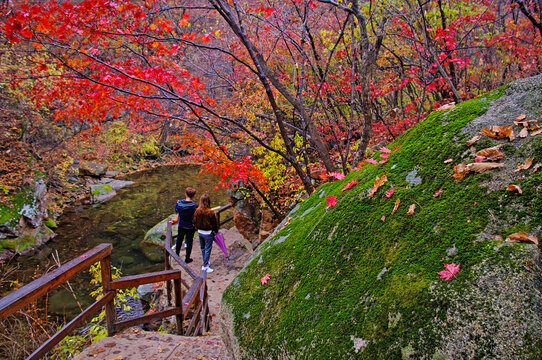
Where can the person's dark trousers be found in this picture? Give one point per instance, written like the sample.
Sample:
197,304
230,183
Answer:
206,245
188,236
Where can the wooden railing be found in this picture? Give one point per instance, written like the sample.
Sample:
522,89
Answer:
194,302
195,299
102,253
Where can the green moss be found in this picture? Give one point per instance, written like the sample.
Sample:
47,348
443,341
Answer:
17,244
344,273
10,213
50,223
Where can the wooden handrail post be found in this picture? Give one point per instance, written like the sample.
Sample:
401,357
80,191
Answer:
178,304
167,263
110,312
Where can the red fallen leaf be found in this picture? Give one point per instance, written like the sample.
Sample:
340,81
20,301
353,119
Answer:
383,161
385,150
383,218
522,236
479,159
84,256
396,206
411,209
535,168
209,342
437,193
377,183
474,139
331,201
371,161
336,175
499,132
521,117
385,156
512,187
460,171
390,192
451,270
491,154
524,132
528,163
538,132
350,185
156,286
265,279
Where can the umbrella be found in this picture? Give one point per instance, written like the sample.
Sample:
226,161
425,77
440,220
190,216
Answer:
219,239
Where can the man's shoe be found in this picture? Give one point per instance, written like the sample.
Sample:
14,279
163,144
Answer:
204,268
188,261
209,270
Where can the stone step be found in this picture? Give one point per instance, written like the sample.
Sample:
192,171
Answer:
136,344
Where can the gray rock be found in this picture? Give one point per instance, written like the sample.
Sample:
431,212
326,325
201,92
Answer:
92,169
111,173
152,244
375,287
101,192
115,184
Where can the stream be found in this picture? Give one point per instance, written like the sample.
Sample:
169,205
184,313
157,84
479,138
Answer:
121,221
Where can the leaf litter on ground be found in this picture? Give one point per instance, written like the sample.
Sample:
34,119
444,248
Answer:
525,166
513,187
522,237
377,184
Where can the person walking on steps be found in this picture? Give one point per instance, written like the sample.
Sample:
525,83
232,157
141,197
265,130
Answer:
207,225
185,213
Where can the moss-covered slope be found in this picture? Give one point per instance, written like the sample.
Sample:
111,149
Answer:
346,283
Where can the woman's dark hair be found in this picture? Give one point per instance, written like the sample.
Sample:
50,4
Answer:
205,202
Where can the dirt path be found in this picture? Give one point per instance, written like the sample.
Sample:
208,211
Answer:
225,269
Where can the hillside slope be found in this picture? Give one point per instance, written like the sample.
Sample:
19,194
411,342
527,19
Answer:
347,283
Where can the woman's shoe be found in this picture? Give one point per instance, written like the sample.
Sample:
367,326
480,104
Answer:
209,270
188,261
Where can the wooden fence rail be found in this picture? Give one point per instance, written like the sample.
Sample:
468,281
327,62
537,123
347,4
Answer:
194,302
41,286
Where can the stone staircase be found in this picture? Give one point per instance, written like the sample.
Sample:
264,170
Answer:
136,344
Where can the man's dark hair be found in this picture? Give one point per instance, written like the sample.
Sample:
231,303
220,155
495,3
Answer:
190,192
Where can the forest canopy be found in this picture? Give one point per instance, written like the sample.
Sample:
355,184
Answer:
274,95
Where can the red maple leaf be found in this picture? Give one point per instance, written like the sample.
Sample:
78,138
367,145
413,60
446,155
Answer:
451,270
336,175
390,192
331,201
350,185
265,279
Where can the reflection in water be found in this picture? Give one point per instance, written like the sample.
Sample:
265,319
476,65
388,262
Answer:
121,221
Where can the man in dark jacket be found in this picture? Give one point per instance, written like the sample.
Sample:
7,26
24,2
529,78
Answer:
185,212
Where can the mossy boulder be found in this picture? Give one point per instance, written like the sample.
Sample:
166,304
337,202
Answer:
22,220
152,244
357,282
